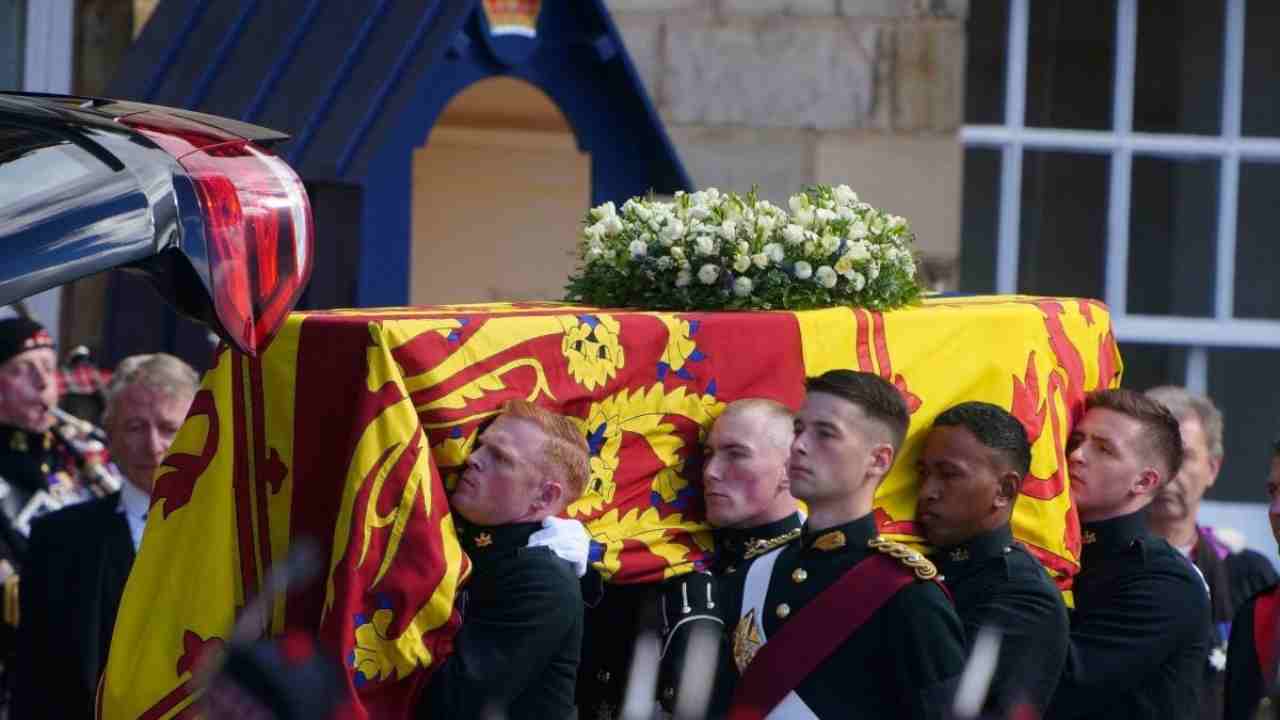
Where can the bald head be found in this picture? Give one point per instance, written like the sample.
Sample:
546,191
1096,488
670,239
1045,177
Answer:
745,478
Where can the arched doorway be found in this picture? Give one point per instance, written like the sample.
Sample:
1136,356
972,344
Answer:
498,193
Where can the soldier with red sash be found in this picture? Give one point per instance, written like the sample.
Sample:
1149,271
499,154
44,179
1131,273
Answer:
843,623
1139,630
970,472
1253,654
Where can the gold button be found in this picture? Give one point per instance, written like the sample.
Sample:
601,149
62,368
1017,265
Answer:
783,611
603,676
799,575
44,468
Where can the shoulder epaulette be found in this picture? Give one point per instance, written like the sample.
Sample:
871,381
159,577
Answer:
761,546
917,563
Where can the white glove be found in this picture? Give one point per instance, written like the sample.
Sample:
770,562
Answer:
568,539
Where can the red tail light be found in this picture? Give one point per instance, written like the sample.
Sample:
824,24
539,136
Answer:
257,225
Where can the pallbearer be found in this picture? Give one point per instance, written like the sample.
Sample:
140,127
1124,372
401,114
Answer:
844,623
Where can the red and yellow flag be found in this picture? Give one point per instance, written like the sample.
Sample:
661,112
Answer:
345,428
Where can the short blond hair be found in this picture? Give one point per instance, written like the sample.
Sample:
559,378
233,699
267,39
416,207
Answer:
565,453
779,419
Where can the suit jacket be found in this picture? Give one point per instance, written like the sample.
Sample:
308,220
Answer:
78,560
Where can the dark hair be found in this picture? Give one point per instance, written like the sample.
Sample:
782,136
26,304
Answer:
995,428
1275,447
879,400
1162,433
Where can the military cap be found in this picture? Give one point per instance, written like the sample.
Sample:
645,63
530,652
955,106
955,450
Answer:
19,334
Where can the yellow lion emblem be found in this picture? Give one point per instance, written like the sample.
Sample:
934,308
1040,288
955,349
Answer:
593,349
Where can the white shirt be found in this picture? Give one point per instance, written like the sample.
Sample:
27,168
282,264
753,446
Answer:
134,505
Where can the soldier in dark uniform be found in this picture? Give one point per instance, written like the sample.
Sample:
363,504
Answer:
748,500
1139,629
970,472
843,623
1234,573
1253,650
517,652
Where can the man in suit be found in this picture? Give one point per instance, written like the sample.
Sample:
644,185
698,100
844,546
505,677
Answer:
518,650
1234,573
78,558
1139,631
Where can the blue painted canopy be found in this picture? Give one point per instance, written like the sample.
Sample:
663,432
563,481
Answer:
359,85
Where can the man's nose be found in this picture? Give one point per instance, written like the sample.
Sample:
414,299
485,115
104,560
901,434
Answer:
1275,506
799,445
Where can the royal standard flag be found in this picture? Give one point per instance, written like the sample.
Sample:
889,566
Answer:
349,427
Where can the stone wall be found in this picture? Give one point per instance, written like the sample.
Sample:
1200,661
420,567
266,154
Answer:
782,93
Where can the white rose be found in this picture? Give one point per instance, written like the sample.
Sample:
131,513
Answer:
605,211
677,252
665,262
858,230
672,231
805,217
727,229
858,251
708,274
844,195
775,252
704,245
643,213
846,214
825,216
844,265
743,286
593,232
699,212
798,203
897,222
760,260
793,234
767,223
830,243
741,263
638,249
856,280
826,277
803,270
873,270
594,254
612,225
744,247
683,278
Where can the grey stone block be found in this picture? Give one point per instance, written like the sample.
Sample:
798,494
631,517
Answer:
783,72
904,8
928,76
780,7
615,6
779,161
642,35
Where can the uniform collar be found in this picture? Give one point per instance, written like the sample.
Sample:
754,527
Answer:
738,544
993,543
1117,533
851,535
17,440
482,541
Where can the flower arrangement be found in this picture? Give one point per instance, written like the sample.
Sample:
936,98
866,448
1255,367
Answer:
709,250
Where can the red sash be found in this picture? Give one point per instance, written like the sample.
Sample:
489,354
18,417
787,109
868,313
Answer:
1264,633
816,630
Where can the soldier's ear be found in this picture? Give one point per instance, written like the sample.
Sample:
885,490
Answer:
549,496
881,460
1148,481
1007,487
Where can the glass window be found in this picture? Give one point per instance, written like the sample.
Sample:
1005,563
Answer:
1261,111
1070,63
1257,251
13,32
1245,385
980,224
1063,224
1173,217
985,61
1177,81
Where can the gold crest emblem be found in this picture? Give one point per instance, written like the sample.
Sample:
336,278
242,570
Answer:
746,641
760,546
959,555
833,540
484,539
18,442
1089,537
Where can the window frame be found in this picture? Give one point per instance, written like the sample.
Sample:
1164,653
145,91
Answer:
1012,138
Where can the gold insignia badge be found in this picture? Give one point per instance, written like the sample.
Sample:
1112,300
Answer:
918,563
484,539
18,442
1089,537
959,555
746,641
760,546
833,540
